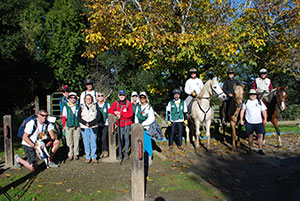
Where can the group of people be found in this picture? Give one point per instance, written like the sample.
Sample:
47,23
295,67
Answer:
254,110
87,117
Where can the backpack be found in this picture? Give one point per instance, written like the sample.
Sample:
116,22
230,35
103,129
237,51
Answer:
25,121
118,104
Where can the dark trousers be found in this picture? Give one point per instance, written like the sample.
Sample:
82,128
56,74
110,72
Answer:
103,133
179,126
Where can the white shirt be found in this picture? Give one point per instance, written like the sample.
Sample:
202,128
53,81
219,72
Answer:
40,128
263,84
193,85
253,111
93,93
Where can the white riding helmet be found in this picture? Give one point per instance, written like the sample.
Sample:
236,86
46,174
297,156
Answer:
263,71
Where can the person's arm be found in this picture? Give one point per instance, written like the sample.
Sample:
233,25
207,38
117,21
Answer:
80,118
168,112
28,129
242,116
185,111
111,110
270,86
225,88
28,140
264,114
51,132
64,116
187,88
254,85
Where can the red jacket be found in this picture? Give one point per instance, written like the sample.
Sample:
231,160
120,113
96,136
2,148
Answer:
126,112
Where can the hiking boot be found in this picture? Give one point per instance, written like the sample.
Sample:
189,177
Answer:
120,157
181,148
260,152
126,156
104,154
17,164
171,148
94,160
76,158
70,158
52,164
87,160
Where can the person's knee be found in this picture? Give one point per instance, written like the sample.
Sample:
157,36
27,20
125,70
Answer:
56,143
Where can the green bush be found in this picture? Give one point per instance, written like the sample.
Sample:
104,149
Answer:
292,112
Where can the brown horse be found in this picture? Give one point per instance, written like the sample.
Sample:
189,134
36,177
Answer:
233,113
276,100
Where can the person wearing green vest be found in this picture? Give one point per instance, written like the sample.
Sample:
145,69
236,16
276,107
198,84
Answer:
103,125
135,103
176,117
71,126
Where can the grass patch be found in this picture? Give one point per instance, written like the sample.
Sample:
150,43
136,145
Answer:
180,182
270,128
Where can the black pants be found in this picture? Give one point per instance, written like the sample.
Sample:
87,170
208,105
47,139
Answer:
103,140
179,126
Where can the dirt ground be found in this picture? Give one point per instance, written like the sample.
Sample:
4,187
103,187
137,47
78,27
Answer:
226,175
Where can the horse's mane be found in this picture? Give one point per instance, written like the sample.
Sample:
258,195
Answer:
239,91
206,85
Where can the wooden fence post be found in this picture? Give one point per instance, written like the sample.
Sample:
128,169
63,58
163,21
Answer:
112,145
8,141
49,104
36,105
137,156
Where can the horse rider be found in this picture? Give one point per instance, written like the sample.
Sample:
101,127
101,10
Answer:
193,86
228,88
262,84
176,117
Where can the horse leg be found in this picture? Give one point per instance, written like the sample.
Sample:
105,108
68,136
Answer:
207,126
238,135
187,130
197,124
275,124
232,124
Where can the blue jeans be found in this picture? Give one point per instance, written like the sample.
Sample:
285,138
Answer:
90,143
147,143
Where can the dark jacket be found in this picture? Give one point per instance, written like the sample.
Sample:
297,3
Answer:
228,86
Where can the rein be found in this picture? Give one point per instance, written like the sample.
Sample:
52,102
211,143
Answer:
205,112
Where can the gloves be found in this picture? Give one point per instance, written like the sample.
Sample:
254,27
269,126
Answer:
185,123
169,123
193,94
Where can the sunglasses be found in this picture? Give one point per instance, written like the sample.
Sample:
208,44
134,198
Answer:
72,97
44,115
142,97
134,96
100,95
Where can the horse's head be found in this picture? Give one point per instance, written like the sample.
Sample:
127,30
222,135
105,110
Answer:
281,97
216,89
238,95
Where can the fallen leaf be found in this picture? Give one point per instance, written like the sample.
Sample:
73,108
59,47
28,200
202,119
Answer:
7,175
40,186
69,190
58,183
99,191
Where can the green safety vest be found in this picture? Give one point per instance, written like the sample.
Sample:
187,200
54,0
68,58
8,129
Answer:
72,120
139,114
104,113
176,113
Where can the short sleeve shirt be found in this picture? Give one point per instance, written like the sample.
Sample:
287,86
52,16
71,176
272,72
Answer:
253,111
40,128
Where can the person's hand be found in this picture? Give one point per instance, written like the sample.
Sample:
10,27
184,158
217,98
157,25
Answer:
242,122
117,113
185,122
87,124
193,93
119,116
265,121
169,123
64,129
230,95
